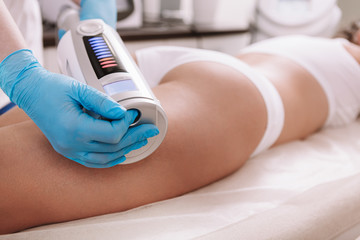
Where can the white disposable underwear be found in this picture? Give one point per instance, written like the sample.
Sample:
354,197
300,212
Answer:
330,64
155,62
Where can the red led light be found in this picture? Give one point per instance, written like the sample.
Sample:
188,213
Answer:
109,65
107,62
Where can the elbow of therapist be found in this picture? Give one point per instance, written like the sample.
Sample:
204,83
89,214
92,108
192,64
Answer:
54,102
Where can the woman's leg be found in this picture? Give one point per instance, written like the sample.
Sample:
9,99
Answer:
13,116
216,119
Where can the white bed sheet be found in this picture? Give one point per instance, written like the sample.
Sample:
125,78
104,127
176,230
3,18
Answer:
4,100
300,190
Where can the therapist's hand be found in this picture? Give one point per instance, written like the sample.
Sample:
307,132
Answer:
105,10
54,102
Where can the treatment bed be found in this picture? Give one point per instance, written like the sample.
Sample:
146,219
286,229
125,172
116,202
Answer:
306,189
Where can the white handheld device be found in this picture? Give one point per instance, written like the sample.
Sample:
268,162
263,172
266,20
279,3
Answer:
93,53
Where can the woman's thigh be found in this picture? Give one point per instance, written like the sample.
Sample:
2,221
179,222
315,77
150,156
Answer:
216,119
13,116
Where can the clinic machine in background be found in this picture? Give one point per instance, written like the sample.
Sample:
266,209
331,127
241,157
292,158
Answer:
284,17
93,53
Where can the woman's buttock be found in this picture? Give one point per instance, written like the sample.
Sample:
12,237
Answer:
305,102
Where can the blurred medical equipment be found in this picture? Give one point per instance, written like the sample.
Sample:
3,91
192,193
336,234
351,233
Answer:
93,53
223,15
50,9
163,11
151,10
308,17
130,12
177,10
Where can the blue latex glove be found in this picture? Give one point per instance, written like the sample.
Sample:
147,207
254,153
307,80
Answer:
54,102
97,9
104,9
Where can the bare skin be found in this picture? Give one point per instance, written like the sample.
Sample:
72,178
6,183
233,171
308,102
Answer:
9,31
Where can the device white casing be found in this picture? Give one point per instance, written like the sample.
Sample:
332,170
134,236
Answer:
74,61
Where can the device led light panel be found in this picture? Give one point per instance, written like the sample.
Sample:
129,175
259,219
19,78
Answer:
101,56
102,52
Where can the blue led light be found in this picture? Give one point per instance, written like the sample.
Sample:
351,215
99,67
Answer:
98,45
104,56
95,38
97,42
101,49
101,53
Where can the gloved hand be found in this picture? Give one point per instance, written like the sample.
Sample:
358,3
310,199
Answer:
54,102
104,9
95,9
